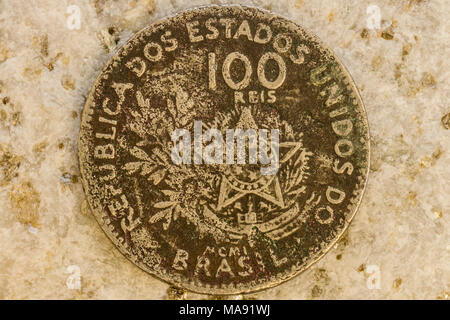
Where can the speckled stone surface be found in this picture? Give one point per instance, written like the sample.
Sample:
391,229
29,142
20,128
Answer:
398,245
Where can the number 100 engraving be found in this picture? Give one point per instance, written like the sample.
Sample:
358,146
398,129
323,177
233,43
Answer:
245,81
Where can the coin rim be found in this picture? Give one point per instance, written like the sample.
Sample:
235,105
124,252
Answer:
191,286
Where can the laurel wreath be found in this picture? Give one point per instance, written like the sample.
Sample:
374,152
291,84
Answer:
153,126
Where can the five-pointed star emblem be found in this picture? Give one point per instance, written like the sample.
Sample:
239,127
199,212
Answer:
230,193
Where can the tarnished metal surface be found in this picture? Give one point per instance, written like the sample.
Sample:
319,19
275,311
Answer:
223,228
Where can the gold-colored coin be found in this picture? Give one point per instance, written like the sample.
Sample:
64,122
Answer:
224,149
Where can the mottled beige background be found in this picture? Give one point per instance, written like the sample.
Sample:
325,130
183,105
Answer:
399,240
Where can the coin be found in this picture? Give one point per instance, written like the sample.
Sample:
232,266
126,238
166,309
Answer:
224,149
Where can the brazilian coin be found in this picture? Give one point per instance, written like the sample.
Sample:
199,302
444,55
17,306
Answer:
224,149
